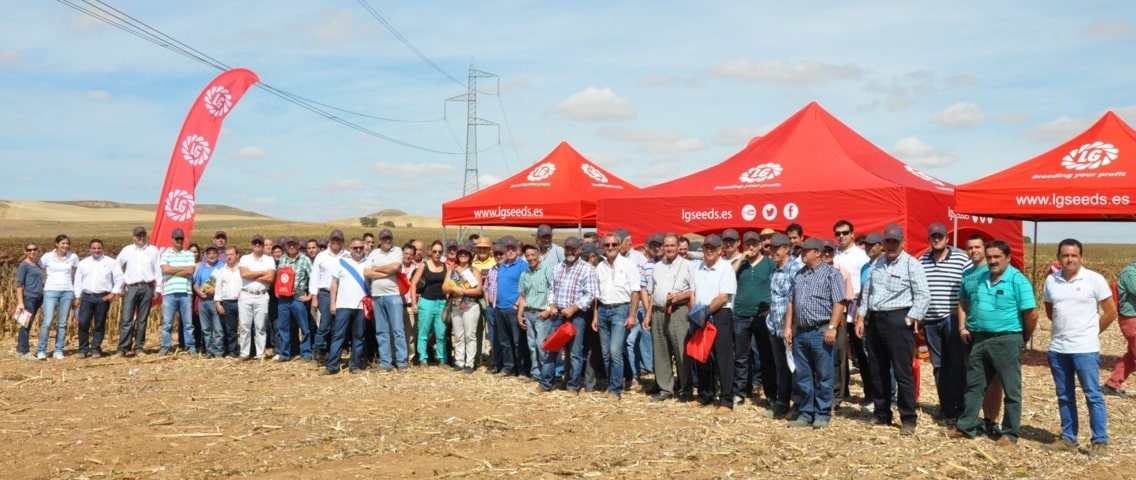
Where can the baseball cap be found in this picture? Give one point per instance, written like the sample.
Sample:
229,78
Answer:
210,247
498,247
622,233
178,234
655,238
730,234
873,238
386,233
292,239
466,246
543,230
780,240
813,244
893,232
712,241
139,231
572,242
768,231
258,238
830,245
321,243
451,243
508,241
695,246
589,249
750,235
220,234
937,228
281,240
335,234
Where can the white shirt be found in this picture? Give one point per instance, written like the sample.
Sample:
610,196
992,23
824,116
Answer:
853,261
323,270
1076,320
98,275
264,264
636,258
58,272
387,285
350,294
140,265
617,282
228,283
709,282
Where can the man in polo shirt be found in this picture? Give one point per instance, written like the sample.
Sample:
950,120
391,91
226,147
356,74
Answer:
851,259
571,296
669,291
618,290
293,309
550,253
386,262
944,265
534,316
178,266
751,305
895,299
212,332
508,282
1126,297
815,311
258,270
324,268
1078,302
714,288
1001,317
97,280
992,404
141,271
347,295
780,294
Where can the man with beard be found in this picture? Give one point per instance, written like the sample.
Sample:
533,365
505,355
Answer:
571,297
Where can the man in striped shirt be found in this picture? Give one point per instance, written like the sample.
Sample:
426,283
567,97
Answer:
943,265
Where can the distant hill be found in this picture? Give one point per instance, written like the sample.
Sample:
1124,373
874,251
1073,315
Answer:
390,212
107,211
151,207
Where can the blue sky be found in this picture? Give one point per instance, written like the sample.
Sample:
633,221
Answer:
649,90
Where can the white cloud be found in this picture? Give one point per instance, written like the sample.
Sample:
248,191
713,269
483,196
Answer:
1109,29
676,146
959,115
655,80
900,91
411,171
334,26
486,180
11,57
346,184
248,152
604,159
636,134
595,104
1058,130
656,172
914,151
958,81
804,73
99,95
734,135
1013,117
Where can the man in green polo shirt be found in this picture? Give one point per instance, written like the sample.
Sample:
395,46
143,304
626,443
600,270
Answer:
751,305
1001,314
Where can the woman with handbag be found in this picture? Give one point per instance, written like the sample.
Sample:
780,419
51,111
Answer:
431,302
29,296
463,288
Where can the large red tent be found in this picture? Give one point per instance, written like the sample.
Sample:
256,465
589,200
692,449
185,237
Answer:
561,190
1085,178
812,170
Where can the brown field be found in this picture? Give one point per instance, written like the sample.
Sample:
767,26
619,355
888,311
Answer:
182,417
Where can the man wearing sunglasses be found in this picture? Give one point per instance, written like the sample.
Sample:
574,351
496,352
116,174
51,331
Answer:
851,259
618,292
257,274
346,302
324,268
508,291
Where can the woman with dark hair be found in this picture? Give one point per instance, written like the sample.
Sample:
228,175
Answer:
29,296
431,302
58,292
464,289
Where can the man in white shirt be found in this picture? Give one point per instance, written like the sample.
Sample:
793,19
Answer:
324,268
97,280
228,289
257,273
348,289
141,272
618,291
178,266
851,259
714,287
385,265
1078,302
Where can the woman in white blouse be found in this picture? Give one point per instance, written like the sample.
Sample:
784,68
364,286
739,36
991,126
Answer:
58,290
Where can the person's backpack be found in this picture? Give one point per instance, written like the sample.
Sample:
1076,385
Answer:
285,282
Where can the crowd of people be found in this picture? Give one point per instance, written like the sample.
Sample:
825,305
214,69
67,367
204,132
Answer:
776,315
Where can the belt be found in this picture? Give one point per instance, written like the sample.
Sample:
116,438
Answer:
932,322
96,294
815,326
527,309
993,334
328,290
613,305
138,283
254,292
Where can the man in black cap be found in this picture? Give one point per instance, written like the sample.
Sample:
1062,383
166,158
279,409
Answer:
142,273
258,270
714,288
220,240
178,266
550,253
508,278
730,240
895,299
874,247
944,265
390,336
751,305
778,390
293,309
324,269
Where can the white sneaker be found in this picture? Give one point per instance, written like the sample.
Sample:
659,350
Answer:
41,356
28,356
868,407
58,356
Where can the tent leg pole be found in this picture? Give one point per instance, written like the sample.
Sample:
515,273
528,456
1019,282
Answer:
956,232
1034,239
580,230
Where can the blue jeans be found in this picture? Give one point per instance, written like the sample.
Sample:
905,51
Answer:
576,350
388,322
508,339
292,311
491,332
1086,367
182,304
345,318
92,318
613,334
948,359
538,331
56,307
322,338
640,358
813,377
31,304
548,359
212,332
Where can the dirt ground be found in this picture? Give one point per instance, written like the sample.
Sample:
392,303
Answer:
182,417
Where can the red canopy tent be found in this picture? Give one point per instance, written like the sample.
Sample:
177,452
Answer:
561,190
812,170
1085,178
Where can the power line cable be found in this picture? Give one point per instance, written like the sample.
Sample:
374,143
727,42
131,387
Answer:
390,28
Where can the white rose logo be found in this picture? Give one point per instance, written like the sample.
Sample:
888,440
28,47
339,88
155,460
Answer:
195,150
594,173
924,176
179,205
285,278
542,172
761,173
218,101
1090,156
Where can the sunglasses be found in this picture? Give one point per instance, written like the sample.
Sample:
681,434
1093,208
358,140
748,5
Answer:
610,244
842,233
435,251
357,249
31,249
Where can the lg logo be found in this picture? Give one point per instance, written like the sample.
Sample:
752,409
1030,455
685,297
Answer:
769,212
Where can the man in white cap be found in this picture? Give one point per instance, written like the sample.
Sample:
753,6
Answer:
142,274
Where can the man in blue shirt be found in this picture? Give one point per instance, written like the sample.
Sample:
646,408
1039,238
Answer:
211,329
508,291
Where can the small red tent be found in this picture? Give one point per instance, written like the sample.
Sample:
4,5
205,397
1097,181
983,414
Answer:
1085,178
812,170
560,190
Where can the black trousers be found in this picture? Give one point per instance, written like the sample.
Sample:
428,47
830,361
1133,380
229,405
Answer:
890,345
719,367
